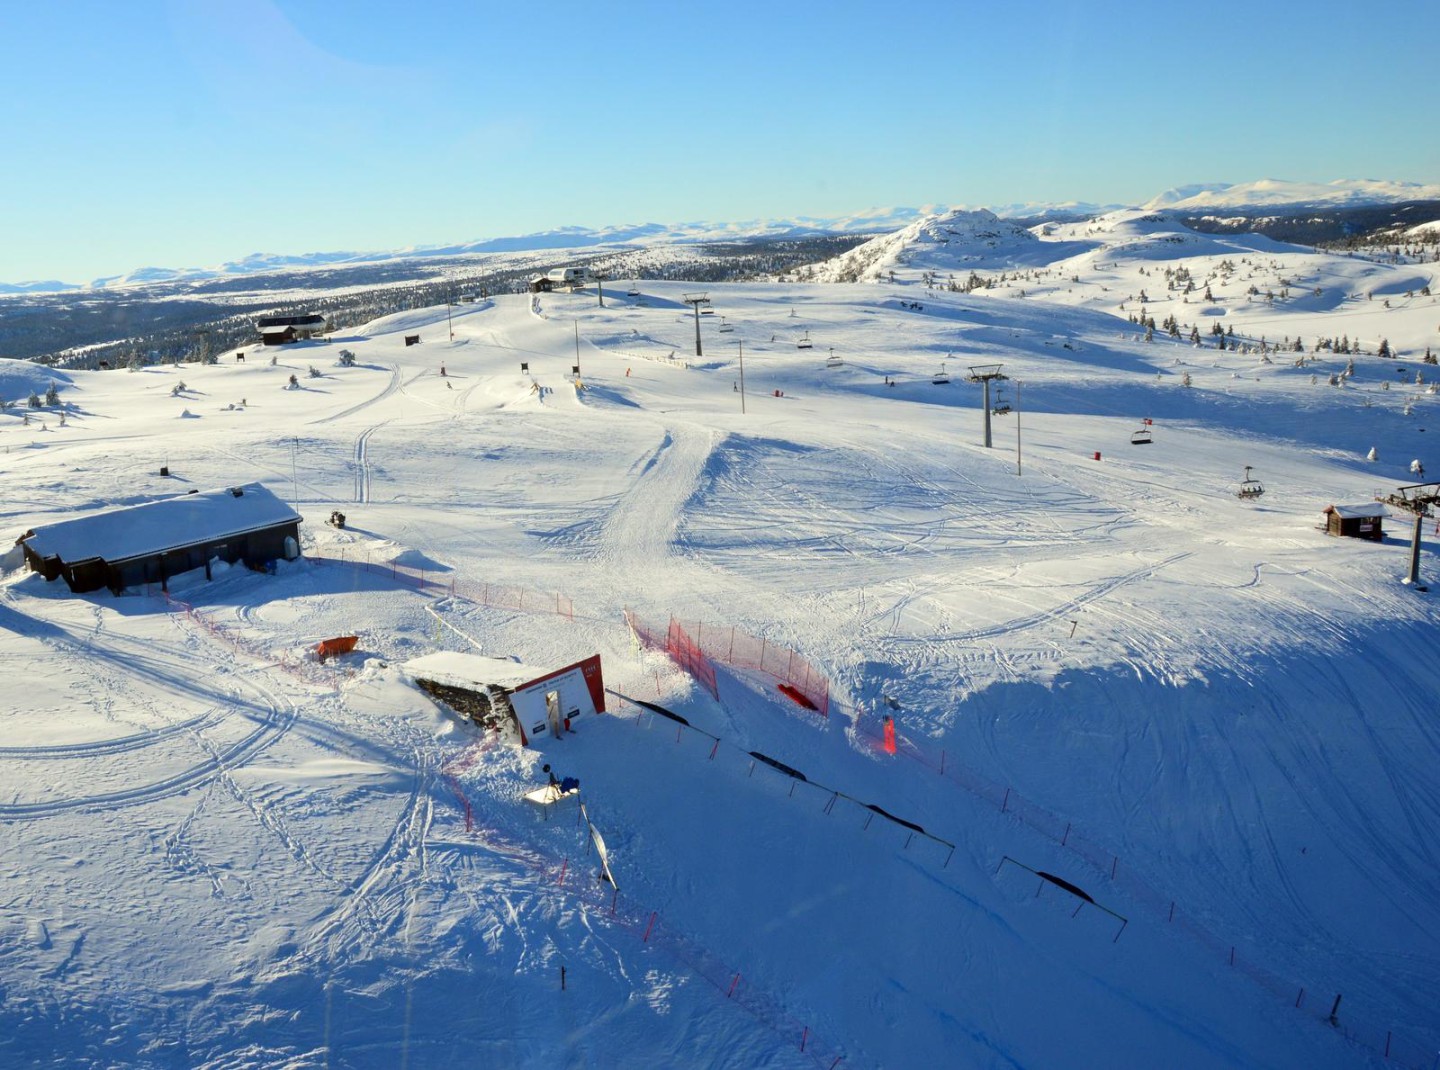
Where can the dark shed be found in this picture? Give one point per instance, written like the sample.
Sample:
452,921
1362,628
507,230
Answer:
1355,521
277,330
149,543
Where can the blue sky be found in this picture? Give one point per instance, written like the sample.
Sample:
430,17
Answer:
185,134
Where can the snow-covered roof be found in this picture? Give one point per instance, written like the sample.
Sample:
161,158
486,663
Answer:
469,670
1348,512
154,527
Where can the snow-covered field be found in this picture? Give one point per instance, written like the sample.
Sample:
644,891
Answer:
222,854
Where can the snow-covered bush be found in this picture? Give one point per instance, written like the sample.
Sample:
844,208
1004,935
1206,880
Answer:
347,359
316,373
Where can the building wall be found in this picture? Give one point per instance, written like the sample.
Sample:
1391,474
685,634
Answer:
255,548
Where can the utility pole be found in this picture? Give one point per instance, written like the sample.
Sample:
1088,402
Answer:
1417,500
695,301
742,378
448,323
985,374
1017,427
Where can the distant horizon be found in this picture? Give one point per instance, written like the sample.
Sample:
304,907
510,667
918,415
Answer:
878,219
179,135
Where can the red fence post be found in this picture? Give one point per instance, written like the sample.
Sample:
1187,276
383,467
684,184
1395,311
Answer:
733,983
646,938
563,867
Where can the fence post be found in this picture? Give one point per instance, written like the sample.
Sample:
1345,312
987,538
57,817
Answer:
733,983
1006,802
805,1035
646,938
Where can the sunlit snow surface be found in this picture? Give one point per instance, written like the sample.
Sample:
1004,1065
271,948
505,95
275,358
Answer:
219,854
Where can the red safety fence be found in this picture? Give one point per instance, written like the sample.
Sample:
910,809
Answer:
689,657
693,644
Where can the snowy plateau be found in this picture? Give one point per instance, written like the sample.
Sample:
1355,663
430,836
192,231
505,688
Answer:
1112,765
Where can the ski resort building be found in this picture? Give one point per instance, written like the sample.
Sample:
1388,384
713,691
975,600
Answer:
153,542
277,330
1356,521
511,698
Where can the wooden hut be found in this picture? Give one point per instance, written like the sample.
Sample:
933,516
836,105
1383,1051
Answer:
1355,521
152,542
278,330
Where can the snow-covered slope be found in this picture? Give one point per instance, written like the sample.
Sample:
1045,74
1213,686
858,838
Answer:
1163,753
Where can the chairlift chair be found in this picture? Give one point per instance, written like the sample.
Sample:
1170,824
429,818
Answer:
942,377
1141,437
634,291
832,361
1250,488
725,328
805,342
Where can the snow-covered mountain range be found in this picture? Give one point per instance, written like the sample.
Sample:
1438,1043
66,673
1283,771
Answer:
1233,197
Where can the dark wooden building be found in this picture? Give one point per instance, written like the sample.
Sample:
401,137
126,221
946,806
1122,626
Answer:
152,542
1356,521
277,330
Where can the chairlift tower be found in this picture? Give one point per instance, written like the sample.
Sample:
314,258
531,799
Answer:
695,301
600,277
1417,499
985,374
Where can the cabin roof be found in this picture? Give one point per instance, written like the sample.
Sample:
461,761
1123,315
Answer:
1350,512
167,524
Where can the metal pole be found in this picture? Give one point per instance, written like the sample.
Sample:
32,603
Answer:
1414,578
600,289
986,384
577,347
448,324
1017,428
697,330
742,378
